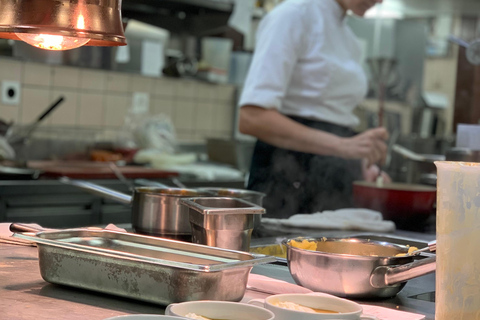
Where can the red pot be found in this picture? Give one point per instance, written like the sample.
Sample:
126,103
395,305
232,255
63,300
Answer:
408,205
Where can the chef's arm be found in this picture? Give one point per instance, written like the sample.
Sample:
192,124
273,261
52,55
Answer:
274,128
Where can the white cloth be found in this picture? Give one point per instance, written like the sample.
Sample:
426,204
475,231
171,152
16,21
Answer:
342,219
307,63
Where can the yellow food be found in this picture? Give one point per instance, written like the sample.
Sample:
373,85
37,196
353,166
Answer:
410,250
304,244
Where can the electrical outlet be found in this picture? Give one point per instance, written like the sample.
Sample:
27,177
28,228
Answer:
11,92
140,102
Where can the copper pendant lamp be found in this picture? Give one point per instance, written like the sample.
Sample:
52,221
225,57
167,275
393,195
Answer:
62,24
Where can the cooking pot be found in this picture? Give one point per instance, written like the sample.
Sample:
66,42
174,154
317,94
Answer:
408,205
155,211
354,268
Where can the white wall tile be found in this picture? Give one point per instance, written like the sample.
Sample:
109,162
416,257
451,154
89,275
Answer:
162,106
207,92
66,112
187,89
204,117
93,79
184,115
11,69
223,117
91,111
9,113
34,103
141,84
117,81
116,108
66,77
225,93
37,74
165,87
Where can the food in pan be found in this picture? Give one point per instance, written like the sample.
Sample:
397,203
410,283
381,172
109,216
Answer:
298,307
304,244
410,250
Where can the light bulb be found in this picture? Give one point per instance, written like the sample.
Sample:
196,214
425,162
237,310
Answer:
52,42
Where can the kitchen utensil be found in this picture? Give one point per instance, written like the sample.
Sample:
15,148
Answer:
155,211
432,247
458,222
222,222
354,268
339,308
21,139
472,49
408,205
219,310
247,195
141,267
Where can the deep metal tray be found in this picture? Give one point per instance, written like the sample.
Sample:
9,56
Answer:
142,267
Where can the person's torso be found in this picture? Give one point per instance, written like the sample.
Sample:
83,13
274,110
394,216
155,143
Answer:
328,81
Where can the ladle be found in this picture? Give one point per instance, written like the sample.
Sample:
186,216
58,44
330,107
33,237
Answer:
432,247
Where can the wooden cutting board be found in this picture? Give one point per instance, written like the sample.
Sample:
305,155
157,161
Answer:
95,170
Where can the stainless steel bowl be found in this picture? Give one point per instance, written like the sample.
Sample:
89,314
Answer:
354,268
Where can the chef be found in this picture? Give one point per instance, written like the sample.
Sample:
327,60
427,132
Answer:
302,87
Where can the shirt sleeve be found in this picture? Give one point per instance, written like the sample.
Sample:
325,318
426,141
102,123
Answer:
279,44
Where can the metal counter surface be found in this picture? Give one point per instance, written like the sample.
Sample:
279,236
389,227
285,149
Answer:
25,295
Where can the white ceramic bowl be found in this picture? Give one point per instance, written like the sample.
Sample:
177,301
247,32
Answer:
220,310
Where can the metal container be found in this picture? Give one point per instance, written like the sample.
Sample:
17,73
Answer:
462,154
248,195
222,222
155,211
141,267
355,268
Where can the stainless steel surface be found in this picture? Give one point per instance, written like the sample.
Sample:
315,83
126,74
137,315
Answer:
26,295
384,276
99,21
222,222
346,266
141,267
247,195
155,211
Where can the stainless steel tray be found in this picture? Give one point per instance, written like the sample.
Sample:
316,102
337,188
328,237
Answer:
142,267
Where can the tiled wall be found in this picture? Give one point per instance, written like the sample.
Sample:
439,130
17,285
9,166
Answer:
100,99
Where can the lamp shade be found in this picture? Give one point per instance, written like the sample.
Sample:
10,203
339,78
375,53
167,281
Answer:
97,21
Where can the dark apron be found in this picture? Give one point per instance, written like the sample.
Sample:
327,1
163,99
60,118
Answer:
297,182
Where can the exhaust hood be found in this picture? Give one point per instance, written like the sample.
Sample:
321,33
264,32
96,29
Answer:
193,17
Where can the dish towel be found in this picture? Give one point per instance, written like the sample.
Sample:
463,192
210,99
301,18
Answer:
260,287
342,219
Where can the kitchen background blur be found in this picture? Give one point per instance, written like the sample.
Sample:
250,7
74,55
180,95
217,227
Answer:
183,70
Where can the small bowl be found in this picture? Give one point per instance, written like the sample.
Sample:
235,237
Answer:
220,310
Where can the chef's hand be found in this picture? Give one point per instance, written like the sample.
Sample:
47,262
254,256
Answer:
372,172
369,145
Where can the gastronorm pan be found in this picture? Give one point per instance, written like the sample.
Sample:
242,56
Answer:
141,267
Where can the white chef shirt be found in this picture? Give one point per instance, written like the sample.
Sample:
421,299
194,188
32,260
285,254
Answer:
307,63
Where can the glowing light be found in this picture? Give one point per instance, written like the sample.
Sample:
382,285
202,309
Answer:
80,22
52,42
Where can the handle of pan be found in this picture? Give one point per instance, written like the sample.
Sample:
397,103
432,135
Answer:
98,190
20,227
385,276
